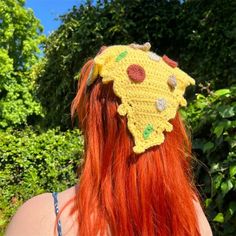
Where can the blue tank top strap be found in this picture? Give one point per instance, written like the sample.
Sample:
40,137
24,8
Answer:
55,198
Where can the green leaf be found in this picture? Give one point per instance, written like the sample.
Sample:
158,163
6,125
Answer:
232,207
215,167
222,92
208,146
217,181
2,221
226,111
208,201
232,170
221,126
231,140
218,130
226,186
219,218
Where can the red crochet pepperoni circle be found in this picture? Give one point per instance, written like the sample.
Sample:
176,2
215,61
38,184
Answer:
136,73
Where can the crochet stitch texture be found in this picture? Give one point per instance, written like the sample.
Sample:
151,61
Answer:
150,87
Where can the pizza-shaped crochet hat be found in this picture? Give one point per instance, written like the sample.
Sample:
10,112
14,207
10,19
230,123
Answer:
150,87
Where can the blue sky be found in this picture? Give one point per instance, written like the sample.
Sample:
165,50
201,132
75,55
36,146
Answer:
47,10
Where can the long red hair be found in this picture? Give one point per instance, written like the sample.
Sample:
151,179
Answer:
120,192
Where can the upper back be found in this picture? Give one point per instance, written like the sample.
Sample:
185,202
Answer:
37,216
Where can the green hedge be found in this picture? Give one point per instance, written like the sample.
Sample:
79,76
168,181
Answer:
212,119
32,163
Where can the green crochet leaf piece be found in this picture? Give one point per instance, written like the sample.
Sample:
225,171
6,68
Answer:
147,131
121,56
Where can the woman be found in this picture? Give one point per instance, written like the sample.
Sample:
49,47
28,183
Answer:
136,178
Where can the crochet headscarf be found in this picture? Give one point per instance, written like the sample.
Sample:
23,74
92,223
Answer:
150,87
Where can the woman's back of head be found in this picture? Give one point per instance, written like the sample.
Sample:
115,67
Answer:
123,192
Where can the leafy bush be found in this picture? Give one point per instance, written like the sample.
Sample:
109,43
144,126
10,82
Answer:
32,163
83,31
213,122
20,37
199,34
207,43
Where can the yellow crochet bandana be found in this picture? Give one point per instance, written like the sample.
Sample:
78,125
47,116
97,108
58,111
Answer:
150,87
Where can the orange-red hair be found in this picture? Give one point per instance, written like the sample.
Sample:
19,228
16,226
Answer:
120,192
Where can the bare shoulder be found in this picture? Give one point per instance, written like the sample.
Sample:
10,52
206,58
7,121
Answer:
33,216
37,215
204,226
